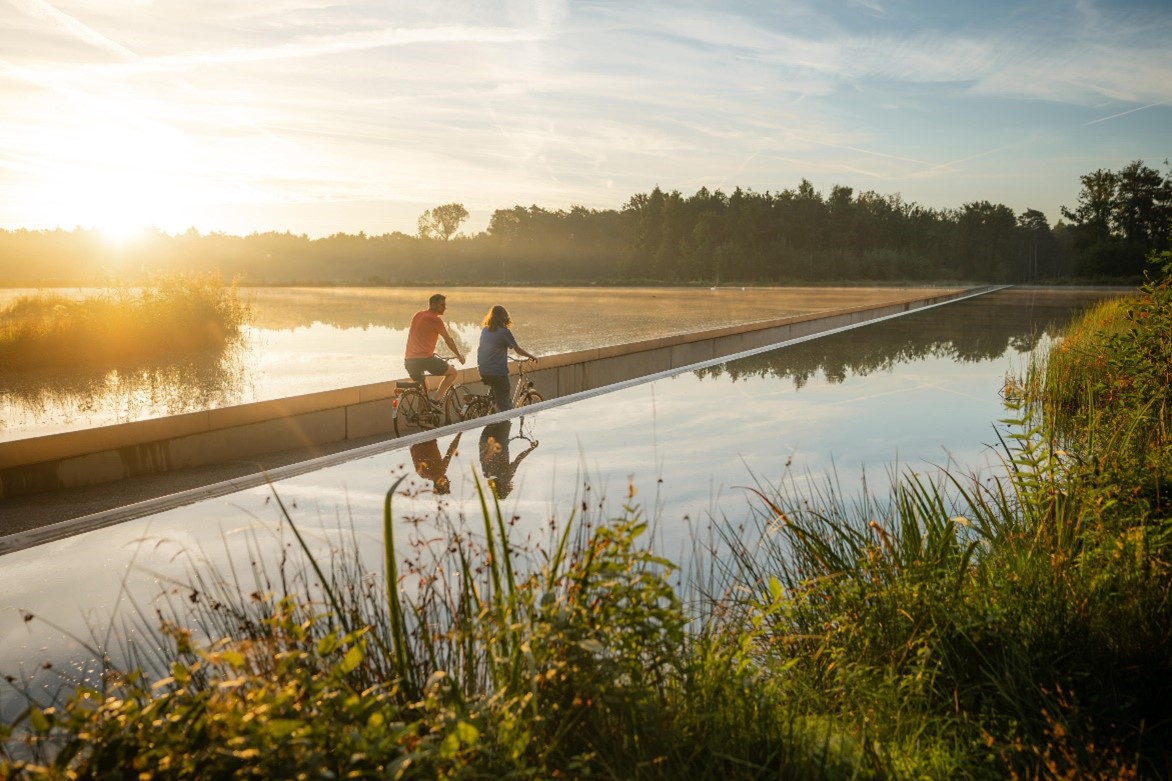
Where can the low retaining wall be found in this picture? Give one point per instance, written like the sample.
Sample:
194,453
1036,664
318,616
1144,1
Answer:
110,453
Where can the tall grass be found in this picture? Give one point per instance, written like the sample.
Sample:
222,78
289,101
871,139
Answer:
180,314
954,626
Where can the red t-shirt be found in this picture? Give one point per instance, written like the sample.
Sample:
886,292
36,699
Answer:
425,331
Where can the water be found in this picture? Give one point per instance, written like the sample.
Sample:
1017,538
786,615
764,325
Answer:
303,340
913,393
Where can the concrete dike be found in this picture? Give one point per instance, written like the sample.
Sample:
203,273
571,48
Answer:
231,434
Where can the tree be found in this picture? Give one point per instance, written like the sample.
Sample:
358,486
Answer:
1038,240
1142,211
1120,218
442,221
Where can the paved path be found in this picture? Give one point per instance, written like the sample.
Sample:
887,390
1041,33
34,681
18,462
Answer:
22,514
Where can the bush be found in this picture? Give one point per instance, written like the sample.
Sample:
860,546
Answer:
181,314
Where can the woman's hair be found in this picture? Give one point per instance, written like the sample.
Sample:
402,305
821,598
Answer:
497,317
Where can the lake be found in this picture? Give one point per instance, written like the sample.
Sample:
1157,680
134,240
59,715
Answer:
910,394
302,340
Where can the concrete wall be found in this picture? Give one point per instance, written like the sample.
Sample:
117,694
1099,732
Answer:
110,453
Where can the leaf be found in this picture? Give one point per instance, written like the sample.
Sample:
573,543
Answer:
352,659
37,719
283,728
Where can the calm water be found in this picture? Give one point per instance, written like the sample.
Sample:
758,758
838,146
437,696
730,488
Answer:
303,340
912,393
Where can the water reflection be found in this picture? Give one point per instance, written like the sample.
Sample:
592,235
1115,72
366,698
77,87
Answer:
987,328
46,401
430,465
495,463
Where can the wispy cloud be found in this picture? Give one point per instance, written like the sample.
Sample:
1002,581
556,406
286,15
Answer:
543,101
71,26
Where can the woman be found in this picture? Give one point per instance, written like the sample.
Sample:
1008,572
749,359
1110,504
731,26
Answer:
492,356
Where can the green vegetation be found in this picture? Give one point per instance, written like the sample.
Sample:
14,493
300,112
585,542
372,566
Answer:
789,236
957,627
175,315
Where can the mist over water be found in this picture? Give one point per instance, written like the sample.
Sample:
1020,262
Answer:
303,340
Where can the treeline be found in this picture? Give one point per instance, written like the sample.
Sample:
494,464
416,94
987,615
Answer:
793,236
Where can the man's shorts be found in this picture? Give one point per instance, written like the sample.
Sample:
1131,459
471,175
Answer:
417,366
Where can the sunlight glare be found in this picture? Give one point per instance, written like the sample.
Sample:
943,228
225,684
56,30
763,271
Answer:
119,178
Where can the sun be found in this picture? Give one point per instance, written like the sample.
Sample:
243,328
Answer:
119,178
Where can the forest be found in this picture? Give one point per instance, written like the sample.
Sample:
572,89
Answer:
791,236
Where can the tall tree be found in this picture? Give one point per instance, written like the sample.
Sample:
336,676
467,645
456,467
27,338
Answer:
1120,218
442,221
1142,210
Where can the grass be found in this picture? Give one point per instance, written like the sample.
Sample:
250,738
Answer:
952,627
175,315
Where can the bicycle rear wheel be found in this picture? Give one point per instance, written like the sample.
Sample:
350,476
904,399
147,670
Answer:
412,413
478,408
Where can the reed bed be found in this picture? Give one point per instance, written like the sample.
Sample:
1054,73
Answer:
954,626
173,315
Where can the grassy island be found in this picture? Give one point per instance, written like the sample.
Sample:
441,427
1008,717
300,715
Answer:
957,627
179,314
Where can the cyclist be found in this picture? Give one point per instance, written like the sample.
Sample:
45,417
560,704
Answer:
492,356
427,326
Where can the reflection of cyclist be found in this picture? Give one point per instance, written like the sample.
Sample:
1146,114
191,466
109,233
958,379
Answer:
494,457
430,465
492,357
426,329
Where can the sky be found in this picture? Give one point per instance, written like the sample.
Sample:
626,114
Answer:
342,116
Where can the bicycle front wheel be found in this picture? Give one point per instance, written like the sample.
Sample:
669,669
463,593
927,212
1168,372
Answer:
529,397
411,411
454,402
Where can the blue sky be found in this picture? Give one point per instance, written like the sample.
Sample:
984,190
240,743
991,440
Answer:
324,116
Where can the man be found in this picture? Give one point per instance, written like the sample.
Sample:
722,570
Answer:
427,326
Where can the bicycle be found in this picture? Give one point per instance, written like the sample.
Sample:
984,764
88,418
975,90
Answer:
477,405
413,409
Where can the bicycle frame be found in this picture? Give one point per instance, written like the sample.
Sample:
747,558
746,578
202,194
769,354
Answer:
523,384
485,403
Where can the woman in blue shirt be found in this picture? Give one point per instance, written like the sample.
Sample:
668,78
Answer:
492,357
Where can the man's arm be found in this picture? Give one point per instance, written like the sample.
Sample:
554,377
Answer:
451,343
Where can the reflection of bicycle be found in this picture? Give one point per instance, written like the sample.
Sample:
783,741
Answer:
477,405
498,468
413,409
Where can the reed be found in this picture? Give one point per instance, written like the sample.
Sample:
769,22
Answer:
174,315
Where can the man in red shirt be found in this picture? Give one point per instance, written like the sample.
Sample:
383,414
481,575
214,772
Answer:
427,326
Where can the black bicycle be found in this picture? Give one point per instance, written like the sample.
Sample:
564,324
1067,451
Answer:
413,409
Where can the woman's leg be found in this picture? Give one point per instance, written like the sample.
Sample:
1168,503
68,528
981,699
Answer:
500,391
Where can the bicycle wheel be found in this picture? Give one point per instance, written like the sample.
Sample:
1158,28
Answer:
411,413
529,397
478,408
455,400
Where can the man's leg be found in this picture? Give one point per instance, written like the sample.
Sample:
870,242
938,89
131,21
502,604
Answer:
448,381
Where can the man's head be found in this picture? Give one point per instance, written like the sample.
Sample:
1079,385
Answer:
438,303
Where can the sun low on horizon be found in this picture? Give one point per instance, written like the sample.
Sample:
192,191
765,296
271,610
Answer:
129,115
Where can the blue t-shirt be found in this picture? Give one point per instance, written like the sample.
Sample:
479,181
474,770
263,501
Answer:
492,357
